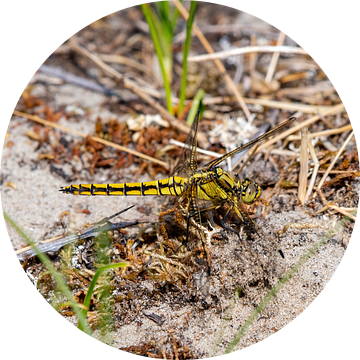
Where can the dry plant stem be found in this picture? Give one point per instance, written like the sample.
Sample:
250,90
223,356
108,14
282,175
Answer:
349,209
338,209
304,165
322,133
95,138
315,171
339,172
200,151
282,152
252,60
274,59
321,195
218,63
332,111
328,144
286,106
133,86
341,211
247,50
334,161
230,28
310,109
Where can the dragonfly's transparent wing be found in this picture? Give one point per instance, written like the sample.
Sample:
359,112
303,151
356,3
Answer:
212,164
187,162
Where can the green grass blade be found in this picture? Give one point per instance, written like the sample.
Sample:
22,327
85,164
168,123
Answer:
55,275
195,107
165,60
168,17
93,283
175,17
185,55
287,276
163,9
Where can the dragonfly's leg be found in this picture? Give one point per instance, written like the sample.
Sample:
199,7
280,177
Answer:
194,213
187,232
259,232
227,227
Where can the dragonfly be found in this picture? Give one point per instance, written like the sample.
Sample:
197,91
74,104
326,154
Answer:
191,184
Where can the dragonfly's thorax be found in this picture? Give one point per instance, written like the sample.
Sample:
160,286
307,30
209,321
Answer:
211,184
224,178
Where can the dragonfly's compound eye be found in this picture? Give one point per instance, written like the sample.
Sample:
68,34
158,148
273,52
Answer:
251,192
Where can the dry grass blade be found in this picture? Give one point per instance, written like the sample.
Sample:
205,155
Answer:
95,138
342,211
218,63
199,150
308,109
315,171
253,59
247,50
274,59
322,133
282,152
334,161
339,172
346,212
304,164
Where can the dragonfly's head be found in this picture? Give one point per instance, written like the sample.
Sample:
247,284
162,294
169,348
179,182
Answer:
249,190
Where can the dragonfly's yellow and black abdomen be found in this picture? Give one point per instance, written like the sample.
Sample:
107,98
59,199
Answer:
172,186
